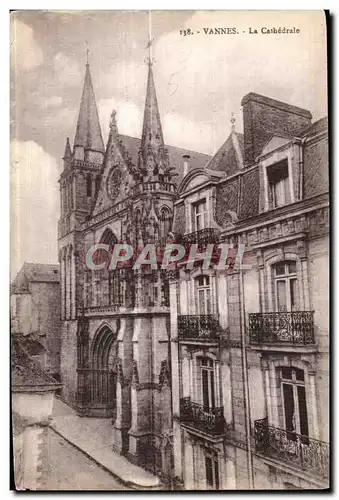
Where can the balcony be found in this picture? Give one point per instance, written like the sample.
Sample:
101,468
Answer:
202,238
308,454
208,420
295,328
200,326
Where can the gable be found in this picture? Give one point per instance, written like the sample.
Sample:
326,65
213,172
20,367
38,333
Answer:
115,178
274,143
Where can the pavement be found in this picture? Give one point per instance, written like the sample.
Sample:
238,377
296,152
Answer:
71,470
94,437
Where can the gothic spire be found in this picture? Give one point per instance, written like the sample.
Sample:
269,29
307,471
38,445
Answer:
151,129
88,132
68,152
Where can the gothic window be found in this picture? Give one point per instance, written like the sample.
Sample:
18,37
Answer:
203,295
165,223
278,184
200,215
294,400
285,282
212,471
89,185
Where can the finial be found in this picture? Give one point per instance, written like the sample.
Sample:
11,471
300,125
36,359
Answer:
233,122
113,123
149,59
87,53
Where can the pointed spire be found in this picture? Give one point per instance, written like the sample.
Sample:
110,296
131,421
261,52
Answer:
151,130
232,122
88,132
68,152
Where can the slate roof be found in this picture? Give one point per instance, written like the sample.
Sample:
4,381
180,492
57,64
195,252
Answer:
197,160
226,158
315,127
44,273
26,374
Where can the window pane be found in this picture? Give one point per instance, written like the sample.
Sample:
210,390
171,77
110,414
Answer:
289,407
299,374
212,390
202,304
281,295
209,471
286,372
279,193
280,269
292,267
216,474
206,280
208,301
294,294
205,390
302,410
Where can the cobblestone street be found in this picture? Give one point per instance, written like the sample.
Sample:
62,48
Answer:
70,469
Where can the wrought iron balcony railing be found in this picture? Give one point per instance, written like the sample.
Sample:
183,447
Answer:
282,327
308,454
209,420
200,326
202,238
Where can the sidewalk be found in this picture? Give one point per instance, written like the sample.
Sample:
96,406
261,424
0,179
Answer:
93,436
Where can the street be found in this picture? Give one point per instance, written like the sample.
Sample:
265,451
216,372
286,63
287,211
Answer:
70,469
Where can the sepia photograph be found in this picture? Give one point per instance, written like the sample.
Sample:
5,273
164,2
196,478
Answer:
169,250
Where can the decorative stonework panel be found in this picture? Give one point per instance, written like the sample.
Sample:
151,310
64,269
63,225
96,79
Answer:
179,222
226,200
249,201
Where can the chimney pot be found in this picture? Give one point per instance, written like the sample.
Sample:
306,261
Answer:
186,158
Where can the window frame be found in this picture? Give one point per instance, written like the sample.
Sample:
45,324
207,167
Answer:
200,216
286,277
294,383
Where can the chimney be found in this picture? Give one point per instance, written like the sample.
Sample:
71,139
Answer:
186,158
264,117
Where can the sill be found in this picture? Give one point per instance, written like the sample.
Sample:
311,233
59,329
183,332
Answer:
284,347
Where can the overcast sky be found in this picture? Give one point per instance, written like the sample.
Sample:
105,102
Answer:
200,81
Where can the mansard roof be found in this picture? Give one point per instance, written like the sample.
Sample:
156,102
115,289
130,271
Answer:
88,131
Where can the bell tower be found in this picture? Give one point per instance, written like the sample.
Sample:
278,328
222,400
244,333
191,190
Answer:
79,183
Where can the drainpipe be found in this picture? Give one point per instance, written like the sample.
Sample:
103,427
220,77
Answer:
246,386
301,163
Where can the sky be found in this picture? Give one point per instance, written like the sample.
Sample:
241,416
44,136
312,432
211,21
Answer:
200,81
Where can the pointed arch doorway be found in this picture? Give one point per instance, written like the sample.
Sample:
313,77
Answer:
102,383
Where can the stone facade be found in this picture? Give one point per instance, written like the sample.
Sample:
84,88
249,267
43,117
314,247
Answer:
264,421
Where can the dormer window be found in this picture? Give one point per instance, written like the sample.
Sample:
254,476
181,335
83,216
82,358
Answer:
278,184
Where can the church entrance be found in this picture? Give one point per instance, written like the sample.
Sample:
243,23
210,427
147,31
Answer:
102,373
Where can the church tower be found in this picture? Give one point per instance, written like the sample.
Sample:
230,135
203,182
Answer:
79,182
115,337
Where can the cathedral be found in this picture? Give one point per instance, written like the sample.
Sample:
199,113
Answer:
213,378
115,355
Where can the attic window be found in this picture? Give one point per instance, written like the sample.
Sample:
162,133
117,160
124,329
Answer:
278,184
